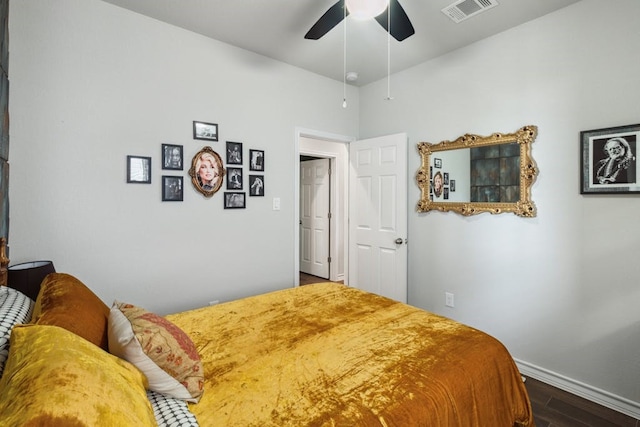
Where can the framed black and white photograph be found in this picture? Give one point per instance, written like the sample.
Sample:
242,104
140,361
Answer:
234,200
437,163
608,160
172,157
234,178
206,131
446,178
256,185
452,185
172,188
256,158
234,153
138,170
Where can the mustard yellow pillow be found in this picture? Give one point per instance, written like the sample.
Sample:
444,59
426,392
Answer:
160,349
66,302
55,378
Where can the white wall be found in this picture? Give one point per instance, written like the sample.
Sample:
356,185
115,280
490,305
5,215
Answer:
560,290
92,83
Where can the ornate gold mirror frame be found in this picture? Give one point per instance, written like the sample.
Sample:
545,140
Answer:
520,192
207,172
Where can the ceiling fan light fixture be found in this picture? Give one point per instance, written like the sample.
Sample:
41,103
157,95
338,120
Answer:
366,9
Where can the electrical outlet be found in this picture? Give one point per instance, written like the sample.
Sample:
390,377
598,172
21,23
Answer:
448,299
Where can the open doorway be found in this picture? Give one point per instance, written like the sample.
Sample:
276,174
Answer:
335,149
315,216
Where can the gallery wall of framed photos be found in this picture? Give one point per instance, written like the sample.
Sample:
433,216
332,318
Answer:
242,168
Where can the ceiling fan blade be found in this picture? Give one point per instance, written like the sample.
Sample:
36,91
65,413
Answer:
330,19
401,26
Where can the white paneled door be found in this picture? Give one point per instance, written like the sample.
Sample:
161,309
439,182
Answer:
378,216
314,217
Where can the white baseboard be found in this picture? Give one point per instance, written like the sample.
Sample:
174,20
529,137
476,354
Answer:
601,397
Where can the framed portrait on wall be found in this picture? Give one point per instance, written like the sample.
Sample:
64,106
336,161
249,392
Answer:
172,157
234,178
234,153
256,158
609,160
256,185
172,189
207,172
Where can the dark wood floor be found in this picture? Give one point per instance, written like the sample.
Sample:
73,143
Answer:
307,279
553,407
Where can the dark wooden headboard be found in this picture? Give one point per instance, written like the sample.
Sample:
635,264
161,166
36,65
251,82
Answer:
4,262
4,133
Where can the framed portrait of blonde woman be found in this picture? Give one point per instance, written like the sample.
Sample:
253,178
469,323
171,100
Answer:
207,172
609,160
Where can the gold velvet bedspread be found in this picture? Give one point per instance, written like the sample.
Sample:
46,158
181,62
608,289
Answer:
330,355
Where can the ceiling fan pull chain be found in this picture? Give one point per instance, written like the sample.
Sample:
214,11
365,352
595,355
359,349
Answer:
344,61
389,98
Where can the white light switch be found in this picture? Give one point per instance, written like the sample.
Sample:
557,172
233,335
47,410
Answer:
276,203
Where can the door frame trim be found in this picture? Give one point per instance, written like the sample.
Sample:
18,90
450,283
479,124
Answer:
329,137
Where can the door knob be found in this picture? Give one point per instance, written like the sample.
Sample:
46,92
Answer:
398,241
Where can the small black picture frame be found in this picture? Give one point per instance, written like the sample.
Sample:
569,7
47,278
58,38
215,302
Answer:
437,163
452,185
256,160
234,153
138,170
609,160
233,200
172,188
206,131
172,157
256,185
234,179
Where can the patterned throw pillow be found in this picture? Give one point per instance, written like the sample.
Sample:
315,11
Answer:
15,307
161,350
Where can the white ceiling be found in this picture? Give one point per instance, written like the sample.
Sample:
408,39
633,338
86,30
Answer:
276,29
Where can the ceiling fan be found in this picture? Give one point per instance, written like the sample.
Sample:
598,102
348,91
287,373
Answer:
401,26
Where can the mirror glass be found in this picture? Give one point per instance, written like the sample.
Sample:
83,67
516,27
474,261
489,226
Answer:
475,174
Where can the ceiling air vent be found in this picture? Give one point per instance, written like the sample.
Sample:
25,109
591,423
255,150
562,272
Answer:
464,9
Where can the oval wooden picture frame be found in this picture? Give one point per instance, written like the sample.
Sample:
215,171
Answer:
207,161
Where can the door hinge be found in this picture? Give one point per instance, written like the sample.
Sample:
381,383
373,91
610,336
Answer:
329,215
329,259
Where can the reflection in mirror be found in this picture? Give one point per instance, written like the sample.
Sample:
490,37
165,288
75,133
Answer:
475,174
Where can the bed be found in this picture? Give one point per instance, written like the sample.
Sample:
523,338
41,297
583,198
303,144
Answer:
317,355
